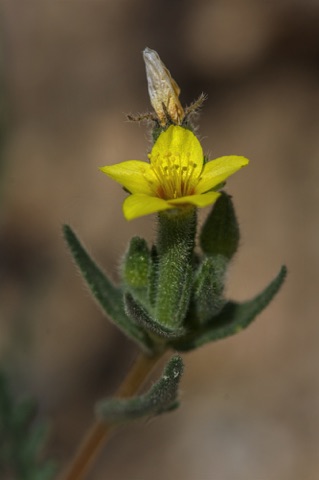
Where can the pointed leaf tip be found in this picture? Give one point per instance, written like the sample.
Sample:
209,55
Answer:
104,291
234,317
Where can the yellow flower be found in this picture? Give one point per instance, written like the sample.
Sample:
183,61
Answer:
175,177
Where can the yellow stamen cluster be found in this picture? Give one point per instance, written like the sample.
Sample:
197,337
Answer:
174,174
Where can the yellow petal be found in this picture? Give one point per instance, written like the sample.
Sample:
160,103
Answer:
216,171
139,205
199,200
132,175
182,144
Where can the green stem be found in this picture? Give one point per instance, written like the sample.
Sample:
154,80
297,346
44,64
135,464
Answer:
175,246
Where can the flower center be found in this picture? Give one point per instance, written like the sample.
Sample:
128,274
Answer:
174,174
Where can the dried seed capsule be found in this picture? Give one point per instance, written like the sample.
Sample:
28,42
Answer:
162,89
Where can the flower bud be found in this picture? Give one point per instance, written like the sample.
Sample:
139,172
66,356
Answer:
162,89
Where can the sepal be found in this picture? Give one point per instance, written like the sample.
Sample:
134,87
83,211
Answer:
161,398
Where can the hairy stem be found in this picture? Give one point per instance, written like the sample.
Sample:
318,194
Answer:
100,431
175,246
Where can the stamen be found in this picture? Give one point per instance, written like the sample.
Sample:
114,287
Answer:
174,175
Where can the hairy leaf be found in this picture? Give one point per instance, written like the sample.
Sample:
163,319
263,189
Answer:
106,293
233,318
162,397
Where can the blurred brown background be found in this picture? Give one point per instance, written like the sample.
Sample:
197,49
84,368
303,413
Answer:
72,69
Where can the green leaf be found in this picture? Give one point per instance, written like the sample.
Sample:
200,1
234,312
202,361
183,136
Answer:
21,439
36,438
135,269
142,318
220,232
233,318
153,276
106,293
208,288
46,472
162,397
